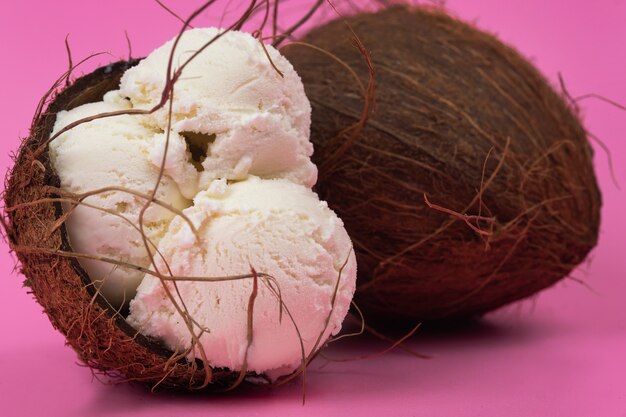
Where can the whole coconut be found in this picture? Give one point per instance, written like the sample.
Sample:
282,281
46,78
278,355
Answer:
472,185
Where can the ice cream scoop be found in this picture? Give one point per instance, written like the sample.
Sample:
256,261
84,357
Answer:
108,153
276,227
244,110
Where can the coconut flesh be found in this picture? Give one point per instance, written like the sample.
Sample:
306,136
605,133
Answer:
258,273
472,184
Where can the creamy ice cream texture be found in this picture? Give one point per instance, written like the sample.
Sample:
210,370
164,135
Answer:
252,119
279,228
112,153
238,163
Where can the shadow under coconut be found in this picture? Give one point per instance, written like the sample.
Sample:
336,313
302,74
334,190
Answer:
453,347
323,383
483,329
473,331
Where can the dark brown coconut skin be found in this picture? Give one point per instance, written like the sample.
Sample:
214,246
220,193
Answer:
450,100
101,337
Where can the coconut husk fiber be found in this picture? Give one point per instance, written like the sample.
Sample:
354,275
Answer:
98,333
472,184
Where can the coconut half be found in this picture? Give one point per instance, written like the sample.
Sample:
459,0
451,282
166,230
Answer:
98,333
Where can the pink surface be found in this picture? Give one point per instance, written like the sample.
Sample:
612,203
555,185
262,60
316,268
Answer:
562,354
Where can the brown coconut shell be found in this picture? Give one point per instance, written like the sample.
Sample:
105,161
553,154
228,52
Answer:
99,334
472,185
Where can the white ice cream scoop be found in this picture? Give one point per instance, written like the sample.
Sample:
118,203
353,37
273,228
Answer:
111,153
276,227
232,101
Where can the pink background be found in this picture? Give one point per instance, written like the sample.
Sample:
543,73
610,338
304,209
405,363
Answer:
561,354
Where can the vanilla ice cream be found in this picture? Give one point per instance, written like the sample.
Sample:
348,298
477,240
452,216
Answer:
111,153
278,228
252,120
237,163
